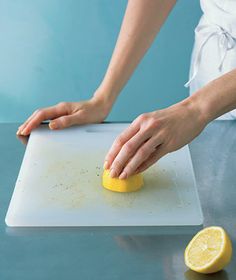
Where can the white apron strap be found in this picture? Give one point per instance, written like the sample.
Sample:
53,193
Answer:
226,42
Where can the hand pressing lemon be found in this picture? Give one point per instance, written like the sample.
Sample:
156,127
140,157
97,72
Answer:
209,251
133,183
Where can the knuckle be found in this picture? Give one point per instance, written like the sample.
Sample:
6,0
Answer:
117,165
153,123
40,113
111,153
143,152
119,142
109,157
128,148
161,136
63,122
62,105
143,117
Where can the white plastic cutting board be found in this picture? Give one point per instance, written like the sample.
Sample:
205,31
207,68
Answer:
59,184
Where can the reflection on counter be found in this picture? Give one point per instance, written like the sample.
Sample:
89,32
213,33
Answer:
192,275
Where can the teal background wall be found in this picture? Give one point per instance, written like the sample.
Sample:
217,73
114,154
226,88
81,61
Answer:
52,51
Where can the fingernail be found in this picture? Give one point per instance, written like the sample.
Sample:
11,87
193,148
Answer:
18,132
105,166
123,175
112,173
53,125
23,132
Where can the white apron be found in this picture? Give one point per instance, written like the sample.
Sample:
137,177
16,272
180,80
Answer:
214,51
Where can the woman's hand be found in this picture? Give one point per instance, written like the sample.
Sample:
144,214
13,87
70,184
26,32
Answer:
151,136
66,114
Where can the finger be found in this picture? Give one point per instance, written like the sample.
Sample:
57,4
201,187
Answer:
67,121
21,127
42,115
119,142
23,139
126,152
159,153
142,154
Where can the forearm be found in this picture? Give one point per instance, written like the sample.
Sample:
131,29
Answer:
216,98
141,23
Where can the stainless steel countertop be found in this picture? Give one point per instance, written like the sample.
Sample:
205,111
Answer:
66,253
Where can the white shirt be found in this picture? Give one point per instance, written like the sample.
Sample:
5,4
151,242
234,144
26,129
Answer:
214,51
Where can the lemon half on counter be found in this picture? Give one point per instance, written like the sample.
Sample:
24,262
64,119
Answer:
209,251
131,184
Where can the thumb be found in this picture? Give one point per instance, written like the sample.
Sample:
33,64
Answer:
153,158
67,121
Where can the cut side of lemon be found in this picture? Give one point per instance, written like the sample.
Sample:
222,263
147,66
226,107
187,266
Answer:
131,184
209,251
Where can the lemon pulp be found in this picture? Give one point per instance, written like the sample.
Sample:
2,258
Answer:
209,251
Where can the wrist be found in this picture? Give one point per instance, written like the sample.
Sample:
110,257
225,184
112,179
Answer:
196,106
104,98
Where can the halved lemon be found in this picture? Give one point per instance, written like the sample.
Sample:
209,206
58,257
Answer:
209,251
131,184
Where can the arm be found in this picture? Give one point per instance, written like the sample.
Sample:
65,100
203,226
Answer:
141,23
153,135
217,97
